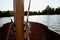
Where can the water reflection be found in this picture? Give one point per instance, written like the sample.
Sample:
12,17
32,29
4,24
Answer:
52,21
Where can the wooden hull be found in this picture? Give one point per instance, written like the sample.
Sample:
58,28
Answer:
38,32
41,32
4,32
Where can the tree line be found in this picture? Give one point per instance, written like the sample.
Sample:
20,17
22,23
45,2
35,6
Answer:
6,13
47,11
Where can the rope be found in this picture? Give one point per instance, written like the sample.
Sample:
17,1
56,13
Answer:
27,24
27,28
9,29
28,10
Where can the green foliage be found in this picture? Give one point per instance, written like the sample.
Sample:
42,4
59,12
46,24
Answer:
47,11
51,11
6,13
11,13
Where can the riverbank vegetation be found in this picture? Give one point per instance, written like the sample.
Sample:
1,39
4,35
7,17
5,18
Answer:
47,11
6,13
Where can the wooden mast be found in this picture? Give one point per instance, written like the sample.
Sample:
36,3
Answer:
19,18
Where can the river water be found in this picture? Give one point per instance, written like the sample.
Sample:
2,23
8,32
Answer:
52,21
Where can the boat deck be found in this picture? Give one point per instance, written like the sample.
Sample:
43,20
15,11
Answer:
38,32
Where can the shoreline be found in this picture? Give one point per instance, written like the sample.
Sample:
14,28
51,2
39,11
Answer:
31,15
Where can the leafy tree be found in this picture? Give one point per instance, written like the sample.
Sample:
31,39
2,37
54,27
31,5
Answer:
57,11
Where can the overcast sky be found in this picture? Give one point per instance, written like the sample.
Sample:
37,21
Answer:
36,5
